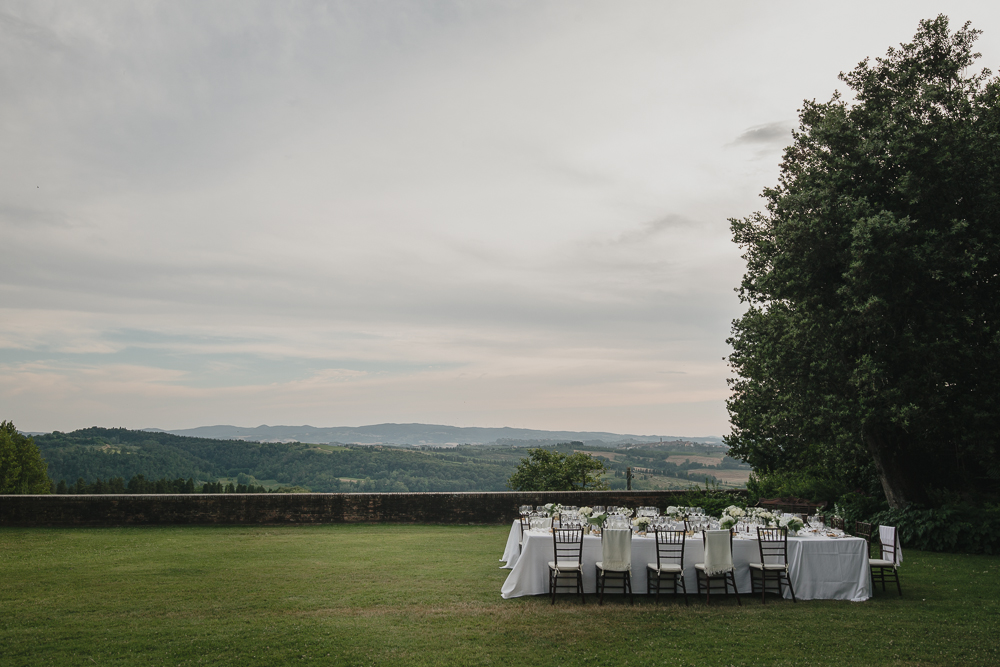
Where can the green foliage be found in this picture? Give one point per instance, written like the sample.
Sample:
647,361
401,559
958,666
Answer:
854,506
544,470
22,468
956,528
712,499
871,334
788,484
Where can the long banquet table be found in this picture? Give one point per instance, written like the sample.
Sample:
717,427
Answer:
820,568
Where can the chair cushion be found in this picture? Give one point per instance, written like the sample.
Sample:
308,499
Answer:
566,566
768,566
672,568
600,566
878,562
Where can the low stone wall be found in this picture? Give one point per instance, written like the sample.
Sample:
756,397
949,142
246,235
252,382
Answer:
300,508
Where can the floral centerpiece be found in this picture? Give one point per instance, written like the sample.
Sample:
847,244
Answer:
731,516
793,523
641,523
553,508
586,512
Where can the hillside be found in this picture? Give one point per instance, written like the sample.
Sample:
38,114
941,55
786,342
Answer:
416,434
101,453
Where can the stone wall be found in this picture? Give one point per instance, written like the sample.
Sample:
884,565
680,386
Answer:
300,508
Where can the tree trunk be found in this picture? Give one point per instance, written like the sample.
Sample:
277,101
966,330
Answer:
891,471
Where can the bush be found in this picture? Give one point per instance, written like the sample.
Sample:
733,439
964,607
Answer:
793,485
957,528
712,500
854,506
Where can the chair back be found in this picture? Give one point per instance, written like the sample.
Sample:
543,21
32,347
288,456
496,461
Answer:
718,551
567,544
838,523
889,537
669,547
616,549
862,529
773,545
525,524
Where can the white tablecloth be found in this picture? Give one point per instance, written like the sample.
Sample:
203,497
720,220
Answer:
820,568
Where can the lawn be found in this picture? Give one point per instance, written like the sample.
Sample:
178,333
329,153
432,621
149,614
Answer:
430,595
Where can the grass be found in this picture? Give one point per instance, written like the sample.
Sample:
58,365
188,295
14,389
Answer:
430,595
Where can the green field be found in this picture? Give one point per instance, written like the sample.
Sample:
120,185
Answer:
429,595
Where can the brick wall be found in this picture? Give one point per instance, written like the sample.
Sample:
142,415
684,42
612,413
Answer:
300,508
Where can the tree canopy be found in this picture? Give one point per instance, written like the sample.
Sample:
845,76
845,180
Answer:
871,343
22,468
544,470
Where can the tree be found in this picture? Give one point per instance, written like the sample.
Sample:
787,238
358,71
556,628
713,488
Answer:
872,335
22,468
543,470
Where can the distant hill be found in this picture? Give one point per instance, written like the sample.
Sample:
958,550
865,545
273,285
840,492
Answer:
416,434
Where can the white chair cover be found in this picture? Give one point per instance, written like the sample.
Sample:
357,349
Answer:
718,554
616,550
889,535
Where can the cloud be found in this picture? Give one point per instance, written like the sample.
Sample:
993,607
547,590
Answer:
777,135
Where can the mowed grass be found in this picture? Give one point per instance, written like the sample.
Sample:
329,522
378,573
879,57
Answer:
430,595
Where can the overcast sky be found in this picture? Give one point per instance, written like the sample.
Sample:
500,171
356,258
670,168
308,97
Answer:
345,213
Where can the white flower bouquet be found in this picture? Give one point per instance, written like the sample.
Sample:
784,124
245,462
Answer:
792,523
641,523
553,508
586,511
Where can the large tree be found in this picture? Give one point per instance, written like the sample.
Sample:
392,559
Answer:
544,470
872,335
22,468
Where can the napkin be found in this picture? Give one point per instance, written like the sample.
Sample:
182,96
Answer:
887,534
616,550
718,552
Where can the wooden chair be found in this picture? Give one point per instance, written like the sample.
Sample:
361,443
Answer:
773,546
838,523
568,550
621,568
669,562
728,576
886,567
862,529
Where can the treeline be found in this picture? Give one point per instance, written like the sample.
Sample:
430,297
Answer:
139,484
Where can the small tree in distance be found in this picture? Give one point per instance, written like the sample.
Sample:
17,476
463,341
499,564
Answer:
543,470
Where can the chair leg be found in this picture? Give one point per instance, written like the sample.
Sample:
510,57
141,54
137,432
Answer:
631,594
788,580
552,587
579,585
732,575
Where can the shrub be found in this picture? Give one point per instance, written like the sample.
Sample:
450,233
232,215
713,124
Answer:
961,528
793,485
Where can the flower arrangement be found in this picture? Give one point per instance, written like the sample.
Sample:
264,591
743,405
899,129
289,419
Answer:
731,516
597,519
586,511
792,523
642,523
553,508
624,511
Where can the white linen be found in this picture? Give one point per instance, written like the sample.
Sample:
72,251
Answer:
718,556
820,568
889,535
616,550
511,550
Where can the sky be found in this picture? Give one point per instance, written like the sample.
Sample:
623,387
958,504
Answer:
346,213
